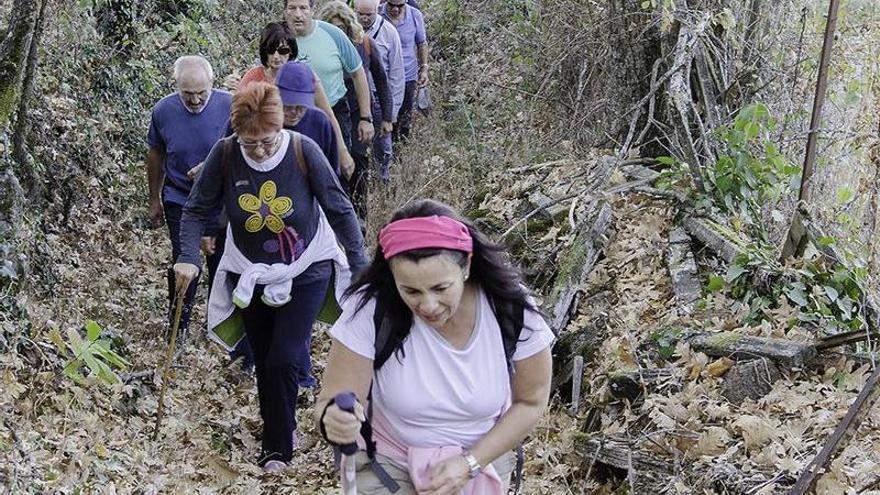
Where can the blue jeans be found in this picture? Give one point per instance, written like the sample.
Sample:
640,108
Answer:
382,149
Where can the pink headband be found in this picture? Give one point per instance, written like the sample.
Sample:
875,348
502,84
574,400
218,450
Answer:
424,232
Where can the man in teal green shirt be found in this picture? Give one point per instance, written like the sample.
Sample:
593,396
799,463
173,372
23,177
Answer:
331,55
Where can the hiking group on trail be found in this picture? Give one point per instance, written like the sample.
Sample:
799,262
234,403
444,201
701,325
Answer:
438,349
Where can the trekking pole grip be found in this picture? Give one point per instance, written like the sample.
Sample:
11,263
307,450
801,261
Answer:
346,401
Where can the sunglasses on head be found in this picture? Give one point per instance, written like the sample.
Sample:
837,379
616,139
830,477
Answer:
281,50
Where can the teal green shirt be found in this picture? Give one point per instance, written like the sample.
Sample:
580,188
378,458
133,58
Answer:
331,55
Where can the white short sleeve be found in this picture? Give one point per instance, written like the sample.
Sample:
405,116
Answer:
535,337
356,330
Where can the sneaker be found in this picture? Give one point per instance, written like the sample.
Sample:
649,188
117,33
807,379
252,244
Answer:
274,467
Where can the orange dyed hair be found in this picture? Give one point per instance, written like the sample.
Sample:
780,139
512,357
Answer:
257,109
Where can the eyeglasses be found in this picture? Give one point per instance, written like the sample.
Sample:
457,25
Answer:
390,5
266,144
281,50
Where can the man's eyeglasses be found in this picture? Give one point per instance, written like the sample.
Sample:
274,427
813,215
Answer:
266,144
281,50
390,5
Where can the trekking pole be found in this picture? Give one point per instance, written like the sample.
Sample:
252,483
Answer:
169,355
345,401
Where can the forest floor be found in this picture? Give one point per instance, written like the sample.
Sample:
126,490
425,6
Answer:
60,437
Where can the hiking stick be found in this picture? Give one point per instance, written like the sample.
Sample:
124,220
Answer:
345,401
169,355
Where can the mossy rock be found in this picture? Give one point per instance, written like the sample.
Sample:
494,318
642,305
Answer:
475,214
538,225
724,340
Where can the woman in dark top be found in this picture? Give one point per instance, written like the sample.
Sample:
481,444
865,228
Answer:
340,15
285,216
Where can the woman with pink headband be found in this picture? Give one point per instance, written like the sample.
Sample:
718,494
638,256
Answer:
448,357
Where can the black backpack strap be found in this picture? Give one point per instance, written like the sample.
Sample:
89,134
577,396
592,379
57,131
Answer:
510,316
382,322
383,333
381,22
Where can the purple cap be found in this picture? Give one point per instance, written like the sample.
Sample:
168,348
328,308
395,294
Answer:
296,83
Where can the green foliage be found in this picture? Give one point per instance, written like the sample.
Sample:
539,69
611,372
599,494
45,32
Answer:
827,294
751,169
673,173
93,352
664,341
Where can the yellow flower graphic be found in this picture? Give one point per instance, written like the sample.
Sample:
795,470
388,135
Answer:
266,210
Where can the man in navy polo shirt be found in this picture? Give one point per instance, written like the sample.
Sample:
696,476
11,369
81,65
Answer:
183,128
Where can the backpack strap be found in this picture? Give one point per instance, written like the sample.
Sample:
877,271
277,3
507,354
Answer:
227,150
510,316
383,333
381,22
382,322
298,153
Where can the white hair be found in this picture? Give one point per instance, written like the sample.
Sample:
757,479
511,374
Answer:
192,62
373,3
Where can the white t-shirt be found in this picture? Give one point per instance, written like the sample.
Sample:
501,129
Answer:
437,395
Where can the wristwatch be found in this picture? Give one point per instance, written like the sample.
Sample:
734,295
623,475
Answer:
368,119
474,467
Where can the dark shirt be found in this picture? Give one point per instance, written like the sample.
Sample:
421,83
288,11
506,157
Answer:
380,81
316,125
274,214
185,138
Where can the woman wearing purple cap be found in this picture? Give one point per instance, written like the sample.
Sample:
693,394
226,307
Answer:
296,84
444,339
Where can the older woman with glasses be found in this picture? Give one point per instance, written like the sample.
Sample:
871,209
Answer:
277,47
288,216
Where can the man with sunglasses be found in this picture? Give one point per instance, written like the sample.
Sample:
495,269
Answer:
410,24
331,55
183,128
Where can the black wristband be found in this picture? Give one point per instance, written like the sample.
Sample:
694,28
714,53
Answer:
321,422
368,119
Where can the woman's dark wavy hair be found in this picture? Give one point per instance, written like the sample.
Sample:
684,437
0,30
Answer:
274,35
499,279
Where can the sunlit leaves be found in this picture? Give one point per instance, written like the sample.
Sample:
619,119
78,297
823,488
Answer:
92,352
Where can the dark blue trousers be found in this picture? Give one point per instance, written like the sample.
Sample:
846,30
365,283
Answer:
172,220
213,261
404,115
281,339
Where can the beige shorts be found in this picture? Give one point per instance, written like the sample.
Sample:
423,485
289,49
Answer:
369,484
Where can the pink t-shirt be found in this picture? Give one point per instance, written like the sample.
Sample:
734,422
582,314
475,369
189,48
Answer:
438,395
